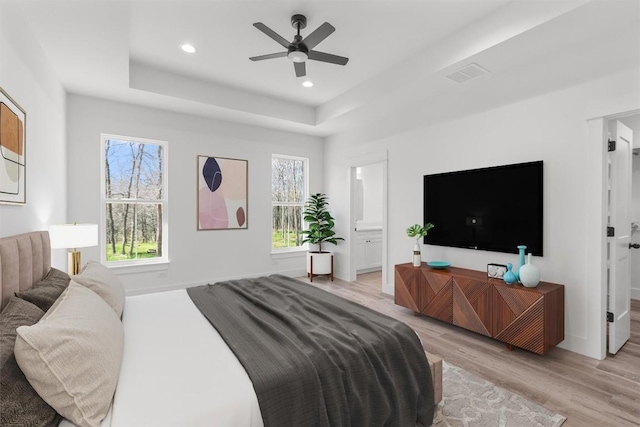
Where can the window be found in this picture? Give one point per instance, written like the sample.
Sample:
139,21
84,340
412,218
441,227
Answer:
134,200
288,196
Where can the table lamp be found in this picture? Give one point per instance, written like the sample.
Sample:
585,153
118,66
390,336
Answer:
73,236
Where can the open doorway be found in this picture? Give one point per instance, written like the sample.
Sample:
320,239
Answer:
368,220
369,209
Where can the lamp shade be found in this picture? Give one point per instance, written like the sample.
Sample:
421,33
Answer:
73,235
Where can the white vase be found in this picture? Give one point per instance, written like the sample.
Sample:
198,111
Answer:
417,260
529,274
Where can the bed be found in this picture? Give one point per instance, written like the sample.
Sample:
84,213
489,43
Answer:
174,368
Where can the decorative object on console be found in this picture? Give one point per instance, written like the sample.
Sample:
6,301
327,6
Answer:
438,264
509,276
521,249
529,274
73,236
496,271
417,257
13,166
316,214
418,231
222,193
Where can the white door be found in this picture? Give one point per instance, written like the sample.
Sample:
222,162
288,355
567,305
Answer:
619,301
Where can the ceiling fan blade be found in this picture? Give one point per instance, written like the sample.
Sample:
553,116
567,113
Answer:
268,31
269,56
321,33
300,68
327,57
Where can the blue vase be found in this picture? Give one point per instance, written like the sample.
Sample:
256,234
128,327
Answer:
509,276
521,249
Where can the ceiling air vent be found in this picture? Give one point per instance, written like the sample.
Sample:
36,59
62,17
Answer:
467,73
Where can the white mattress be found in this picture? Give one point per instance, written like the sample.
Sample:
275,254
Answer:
177,370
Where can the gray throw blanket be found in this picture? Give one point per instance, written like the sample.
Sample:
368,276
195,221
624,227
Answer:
316,359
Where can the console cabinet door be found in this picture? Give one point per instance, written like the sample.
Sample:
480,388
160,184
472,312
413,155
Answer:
472,304
518,317
436,295
406,287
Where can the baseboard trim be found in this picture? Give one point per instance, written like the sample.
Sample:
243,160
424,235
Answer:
389,289
580,345
369,269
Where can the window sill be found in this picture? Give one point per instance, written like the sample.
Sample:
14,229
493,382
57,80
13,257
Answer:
289,253
146,267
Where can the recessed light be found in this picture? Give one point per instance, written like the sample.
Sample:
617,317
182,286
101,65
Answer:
307,83
188,48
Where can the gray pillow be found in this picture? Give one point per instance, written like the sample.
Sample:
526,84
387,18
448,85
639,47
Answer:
20,404
46,291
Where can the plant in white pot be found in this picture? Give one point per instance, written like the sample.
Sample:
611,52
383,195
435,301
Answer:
320,230
418,231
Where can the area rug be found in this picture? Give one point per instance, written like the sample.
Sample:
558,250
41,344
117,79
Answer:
470,401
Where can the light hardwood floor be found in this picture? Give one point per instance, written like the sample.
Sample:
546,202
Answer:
588,392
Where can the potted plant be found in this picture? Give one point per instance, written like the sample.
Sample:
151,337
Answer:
320,230
418,231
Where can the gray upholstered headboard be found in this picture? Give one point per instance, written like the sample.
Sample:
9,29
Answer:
24,260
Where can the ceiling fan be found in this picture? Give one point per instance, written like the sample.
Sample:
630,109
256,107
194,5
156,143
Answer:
299,50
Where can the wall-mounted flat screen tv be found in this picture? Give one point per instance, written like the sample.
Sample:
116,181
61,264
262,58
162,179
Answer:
491,209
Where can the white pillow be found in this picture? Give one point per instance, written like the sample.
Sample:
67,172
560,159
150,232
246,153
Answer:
72,355
103,282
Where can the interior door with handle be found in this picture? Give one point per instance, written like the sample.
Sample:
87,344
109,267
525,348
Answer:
619,284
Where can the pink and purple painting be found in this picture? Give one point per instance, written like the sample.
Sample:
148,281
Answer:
222,193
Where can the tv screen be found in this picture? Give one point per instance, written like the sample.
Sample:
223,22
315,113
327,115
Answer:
491,209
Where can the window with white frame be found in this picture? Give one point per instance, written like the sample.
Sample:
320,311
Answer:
134,200
289,183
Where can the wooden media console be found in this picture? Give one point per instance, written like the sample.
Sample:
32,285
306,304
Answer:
528,318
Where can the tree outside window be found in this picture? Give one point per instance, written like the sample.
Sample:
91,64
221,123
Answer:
134,182
288,195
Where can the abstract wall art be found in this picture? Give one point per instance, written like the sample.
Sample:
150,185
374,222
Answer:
222,193
13,121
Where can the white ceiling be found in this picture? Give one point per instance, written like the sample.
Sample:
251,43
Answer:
399,52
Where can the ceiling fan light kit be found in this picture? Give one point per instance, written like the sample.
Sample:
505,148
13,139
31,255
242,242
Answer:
188,48
300,50
297,56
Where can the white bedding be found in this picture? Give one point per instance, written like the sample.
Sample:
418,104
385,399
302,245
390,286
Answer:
177,370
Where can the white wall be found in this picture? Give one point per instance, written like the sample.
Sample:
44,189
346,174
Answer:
550,127
195,256
27,76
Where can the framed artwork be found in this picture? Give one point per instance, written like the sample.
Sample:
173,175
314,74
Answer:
222,193
13,167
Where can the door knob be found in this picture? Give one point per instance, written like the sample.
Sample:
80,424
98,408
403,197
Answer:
634,245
